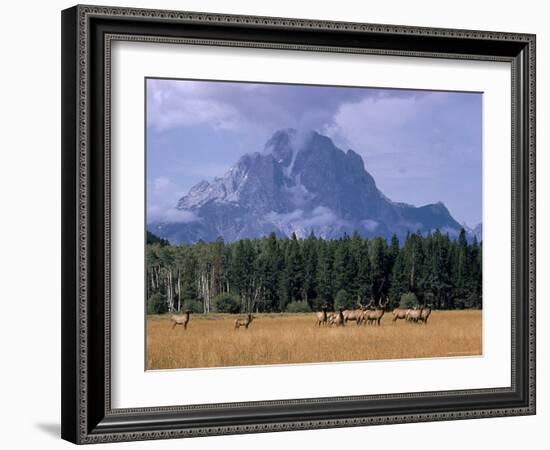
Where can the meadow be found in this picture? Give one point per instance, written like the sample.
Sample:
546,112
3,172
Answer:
212,341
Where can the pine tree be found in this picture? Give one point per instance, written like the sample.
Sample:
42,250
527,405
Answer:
398,282
294,270
242,273
324,276
394,250
271,265
473,283
188,279
341,267
309,271
440,269
461,271
355,285
364,272
380,273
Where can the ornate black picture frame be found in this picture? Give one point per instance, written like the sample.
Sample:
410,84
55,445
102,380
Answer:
87,34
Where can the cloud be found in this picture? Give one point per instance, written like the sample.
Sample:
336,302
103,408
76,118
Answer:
162,195
299,193
161,183
169,107
304,222
419,146
171,215
416,144
320,217
379,123
370,225
244,106
284,218
204,170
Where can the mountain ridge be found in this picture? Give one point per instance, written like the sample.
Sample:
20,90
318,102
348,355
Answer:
300,183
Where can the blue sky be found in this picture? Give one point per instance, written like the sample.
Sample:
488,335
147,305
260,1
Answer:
420,146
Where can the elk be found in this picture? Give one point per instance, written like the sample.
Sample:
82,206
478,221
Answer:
322,316
370,308
355,315
399,314
414,315
244,322
338,318
425,313
182,319
375,315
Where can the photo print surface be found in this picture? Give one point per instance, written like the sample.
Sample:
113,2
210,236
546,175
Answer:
291,224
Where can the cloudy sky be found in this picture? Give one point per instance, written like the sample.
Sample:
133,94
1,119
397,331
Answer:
420,146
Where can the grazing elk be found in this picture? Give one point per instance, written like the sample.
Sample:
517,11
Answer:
322,317
244,322
182,319
425,313
375,315
414,315
338,319
399,314
355,315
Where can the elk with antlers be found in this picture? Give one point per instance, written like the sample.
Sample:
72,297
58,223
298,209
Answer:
182,319
244,322
375,315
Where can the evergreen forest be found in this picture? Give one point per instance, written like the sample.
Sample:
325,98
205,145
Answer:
273,274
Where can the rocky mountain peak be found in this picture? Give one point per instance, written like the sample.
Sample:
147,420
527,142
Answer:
301,183
282,145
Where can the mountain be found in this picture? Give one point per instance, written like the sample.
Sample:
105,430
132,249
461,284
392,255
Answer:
477,231
153,239
301,184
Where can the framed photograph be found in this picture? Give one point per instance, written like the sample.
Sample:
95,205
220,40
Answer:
280,224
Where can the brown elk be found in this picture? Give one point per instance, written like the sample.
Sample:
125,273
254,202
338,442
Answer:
375,315
338,318
322,317
182,319
244,322
425,313
399,314
355,315
414,315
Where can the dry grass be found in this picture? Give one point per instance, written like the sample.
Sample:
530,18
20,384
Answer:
293,338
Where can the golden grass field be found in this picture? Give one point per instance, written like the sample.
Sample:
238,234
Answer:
212,341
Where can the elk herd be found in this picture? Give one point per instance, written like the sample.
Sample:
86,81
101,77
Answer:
371,314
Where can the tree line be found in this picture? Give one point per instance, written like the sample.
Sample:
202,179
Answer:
271,274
